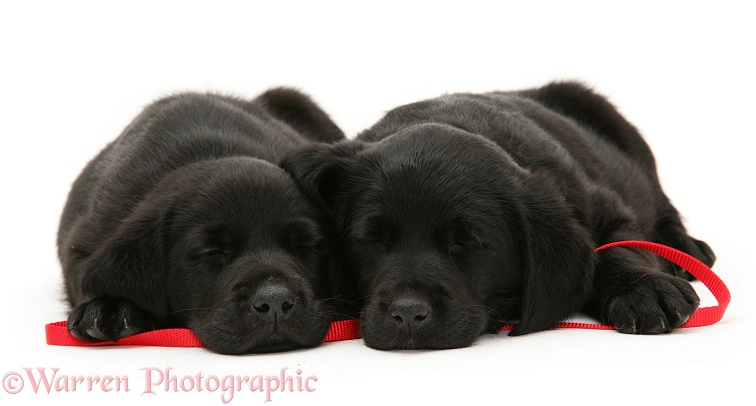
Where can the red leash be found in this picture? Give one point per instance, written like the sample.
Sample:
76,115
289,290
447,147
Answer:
57,333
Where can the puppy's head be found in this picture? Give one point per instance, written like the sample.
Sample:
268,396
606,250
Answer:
231,249
447,237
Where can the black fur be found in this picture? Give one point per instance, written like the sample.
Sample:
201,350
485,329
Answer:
464,212
185,220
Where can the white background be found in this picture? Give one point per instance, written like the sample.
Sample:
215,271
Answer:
73,74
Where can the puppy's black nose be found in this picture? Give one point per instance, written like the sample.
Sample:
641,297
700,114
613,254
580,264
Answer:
410,310
273,301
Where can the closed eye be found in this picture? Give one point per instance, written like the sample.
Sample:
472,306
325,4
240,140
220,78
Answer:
216,251
311,245
461,239
375,231
212,253
302,237
375,241
456,248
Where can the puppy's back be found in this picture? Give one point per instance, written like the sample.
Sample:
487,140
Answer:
534,125
552,132
595,112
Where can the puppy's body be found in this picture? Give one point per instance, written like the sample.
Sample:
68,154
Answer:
467,211
186,220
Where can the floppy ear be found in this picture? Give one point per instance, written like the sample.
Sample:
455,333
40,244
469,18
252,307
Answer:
300,112
320,171
131,264
557,258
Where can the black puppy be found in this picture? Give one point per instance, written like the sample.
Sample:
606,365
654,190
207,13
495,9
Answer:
185,220
464,212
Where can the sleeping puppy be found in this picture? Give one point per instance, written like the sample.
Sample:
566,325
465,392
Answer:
185,220
462,213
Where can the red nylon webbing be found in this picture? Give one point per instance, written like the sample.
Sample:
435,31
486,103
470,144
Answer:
57,333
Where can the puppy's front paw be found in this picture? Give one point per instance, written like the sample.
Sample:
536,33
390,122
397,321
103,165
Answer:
107,319
651,304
